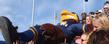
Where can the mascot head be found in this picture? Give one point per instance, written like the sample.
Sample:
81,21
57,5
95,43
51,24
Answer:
67,16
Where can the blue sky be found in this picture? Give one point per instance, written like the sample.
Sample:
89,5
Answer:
19,11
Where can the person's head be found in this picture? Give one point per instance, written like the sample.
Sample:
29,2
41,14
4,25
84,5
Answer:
98,14
99,37
83,17
106,7
52,34
101,21
66,15
88,19
91,13
84,38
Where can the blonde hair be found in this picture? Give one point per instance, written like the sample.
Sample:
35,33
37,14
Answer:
103,20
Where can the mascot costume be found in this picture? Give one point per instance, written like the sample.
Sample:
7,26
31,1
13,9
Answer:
62,33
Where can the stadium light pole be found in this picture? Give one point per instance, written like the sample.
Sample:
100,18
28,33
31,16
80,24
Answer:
84,6
33,12
54,15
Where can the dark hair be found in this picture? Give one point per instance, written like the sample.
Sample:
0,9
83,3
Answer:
51,34
73,12
92,13
83,17
107,2
99,37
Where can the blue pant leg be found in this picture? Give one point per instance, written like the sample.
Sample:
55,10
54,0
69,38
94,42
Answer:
26,36
2,42
29,34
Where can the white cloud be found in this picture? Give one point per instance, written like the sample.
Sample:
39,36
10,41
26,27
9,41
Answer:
4,8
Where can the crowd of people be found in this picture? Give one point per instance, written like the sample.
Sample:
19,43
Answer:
92,29
99,33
